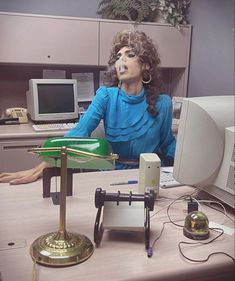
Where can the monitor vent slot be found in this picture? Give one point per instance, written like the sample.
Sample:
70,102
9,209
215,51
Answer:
231,178
233,154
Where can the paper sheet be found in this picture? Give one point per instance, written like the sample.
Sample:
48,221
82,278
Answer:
53,74
104,80
85,85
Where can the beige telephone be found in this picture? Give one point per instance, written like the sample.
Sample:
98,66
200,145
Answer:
17,112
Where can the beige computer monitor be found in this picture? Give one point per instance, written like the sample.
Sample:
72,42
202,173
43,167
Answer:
204,154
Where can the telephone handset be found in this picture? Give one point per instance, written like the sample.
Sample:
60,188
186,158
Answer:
17,112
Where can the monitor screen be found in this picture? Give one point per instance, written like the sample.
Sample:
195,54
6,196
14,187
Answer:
55,98
52,99
205,146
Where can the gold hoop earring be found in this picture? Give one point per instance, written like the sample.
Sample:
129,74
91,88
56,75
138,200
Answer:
147,81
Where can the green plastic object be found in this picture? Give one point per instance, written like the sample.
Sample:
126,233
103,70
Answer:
82,153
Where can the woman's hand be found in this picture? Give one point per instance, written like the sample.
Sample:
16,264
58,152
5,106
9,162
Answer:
26,176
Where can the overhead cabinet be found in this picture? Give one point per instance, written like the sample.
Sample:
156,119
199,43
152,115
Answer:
48,40
52,40
76,41
173,44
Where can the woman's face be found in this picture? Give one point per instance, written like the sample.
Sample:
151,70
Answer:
128,67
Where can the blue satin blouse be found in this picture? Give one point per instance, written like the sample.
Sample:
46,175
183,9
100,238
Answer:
128,126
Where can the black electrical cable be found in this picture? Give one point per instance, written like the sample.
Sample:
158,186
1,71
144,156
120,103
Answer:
150,249
168,208
183,197
208,204
204,243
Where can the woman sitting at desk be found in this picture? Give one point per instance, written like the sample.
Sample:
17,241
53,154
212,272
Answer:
137,118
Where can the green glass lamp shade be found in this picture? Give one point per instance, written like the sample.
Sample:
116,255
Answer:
196,226
82,153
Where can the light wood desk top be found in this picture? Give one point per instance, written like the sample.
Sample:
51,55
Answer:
26,131
20,131
25,216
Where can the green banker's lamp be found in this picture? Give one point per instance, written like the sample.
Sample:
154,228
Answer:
64,248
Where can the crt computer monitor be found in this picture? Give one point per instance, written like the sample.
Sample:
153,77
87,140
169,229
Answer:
205,150
52,99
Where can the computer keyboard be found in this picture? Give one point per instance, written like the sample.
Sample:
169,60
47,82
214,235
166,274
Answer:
166,178
53,127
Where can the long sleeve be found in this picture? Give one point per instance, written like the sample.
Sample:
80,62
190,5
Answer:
91,119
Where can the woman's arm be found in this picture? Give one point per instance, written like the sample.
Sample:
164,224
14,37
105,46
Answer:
91,119
26,176
84,128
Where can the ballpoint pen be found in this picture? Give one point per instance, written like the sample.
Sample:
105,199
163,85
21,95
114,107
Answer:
126,182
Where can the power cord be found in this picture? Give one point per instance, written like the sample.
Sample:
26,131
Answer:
191,202
168,208
204,243
209,203
150,249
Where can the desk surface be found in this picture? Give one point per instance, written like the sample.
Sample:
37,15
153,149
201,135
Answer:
25,216
26,131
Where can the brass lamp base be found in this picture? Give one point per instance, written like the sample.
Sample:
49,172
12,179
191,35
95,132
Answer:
61,249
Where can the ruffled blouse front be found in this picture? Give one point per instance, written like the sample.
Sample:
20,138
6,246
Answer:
128,126
126,116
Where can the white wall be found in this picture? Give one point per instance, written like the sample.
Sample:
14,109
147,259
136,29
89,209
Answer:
212,50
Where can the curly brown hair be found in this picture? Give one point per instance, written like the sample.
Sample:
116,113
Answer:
147,53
